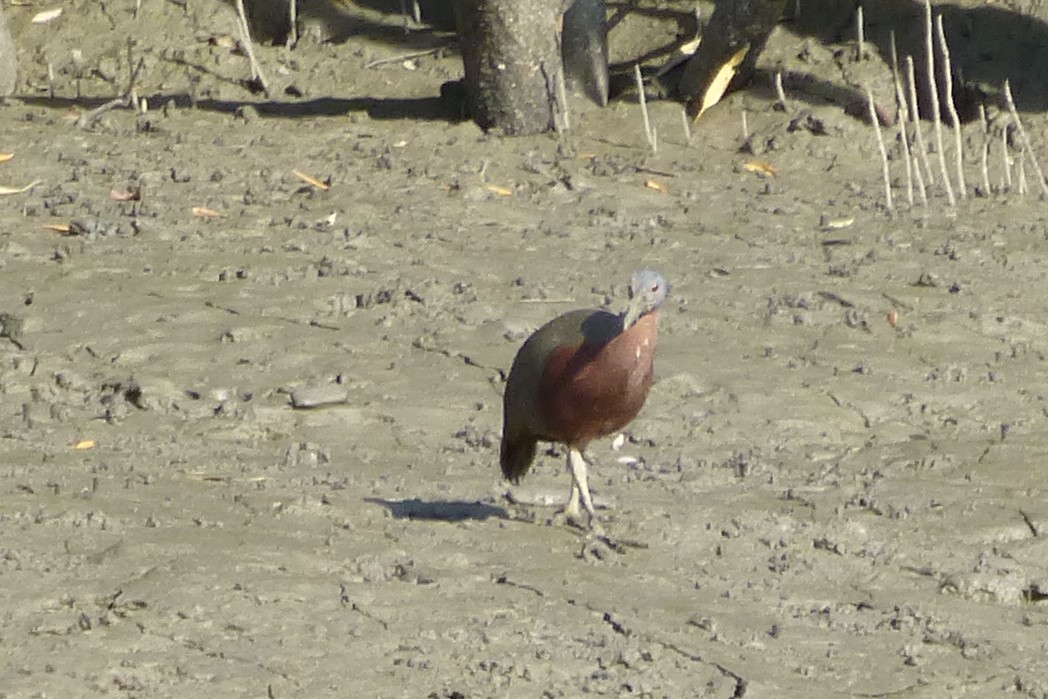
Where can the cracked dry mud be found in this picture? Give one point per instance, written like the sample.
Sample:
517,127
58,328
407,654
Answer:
824,504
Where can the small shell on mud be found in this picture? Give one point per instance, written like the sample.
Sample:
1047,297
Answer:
47,16
312,396
835,224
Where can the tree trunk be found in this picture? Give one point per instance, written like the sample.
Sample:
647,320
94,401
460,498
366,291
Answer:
584,48
269,20
8,66
512,62
733,25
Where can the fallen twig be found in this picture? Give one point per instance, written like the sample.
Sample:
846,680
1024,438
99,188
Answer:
128,99
403,57
87,118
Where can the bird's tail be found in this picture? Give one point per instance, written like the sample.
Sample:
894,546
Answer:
516,456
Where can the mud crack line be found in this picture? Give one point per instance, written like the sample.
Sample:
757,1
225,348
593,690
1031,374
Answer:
620,628
624,629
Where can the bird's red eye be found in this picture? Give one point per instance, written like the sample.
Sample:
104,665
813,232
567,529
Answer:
654,288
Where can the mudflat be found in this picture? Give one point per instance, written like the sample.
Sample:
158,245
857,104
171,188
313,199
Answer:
250,424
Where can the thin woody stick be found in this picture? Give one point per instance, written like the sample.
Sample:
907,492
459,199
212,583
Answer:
245,37
561,110
648,131
905,140
983,163
860,32
129,98
1023,189
922,191
951,109
904,137
780,94
1006,161
292,15
884,152
1027,147
934,95
922,151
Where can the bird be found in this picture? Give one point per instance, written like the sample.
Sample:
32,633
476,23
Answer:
581,376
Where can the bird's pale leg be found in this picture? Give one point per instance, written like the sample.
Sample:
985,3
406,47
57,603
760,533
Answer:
579,486
571,510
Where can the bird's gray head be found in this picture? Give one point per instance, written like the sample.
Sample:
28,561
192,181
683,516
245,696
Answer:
648,290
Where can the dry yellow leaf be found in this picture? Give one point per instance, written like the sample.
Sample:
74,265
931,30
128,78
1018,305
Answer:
19,190
204,212
311,180
501,191
652,184
721,79
85,444
759,167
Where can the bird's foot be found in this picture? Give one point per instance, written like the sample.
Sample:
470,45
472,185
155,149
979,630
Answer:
574,517
598,546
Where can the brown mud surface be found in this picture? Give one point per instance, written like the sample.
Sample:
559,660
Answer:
814,502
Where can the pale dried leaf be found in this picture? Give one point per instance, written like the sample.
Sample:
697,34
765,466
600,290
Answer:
319,184
721,79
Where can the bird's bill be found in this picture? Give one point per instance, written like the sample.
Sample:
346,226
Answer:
634,311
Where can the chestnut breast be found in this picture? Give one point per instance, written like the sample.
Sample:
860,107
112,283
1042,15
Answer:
598,384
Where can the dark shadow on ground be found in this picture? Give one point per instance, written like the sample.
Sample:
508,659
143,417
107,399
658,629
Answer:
389,21
440,510
389,108
988,45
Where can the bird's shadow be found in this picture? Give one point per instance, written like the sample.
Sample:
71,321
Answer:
440,510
